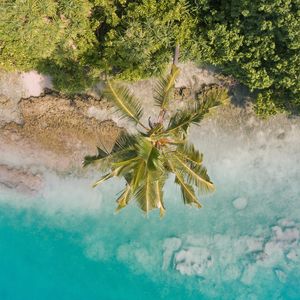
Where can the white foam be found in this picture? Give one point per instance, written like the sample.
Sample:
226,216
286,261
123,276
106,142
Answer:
65,195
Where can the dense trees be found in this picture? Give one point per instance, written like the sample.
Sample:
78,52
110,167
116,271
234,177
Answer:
140,43
55,37
256,41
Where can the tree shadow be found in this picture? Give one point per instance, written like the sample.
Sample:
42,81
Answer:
69,76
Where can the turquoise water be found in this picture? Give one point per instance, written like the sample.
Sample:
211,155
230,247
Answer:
244,243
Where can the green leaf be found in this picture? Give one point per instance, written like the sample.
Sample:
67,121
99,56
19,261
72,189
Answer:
138,174
149,153
124,101
181,121
146,195
164,88
195,175
124,198
116,172
212,97
124,141
91,159
104,178
187,191
158,186
190,154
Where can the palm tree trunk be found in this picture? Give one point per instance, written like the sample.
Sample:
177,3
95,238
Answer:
176,55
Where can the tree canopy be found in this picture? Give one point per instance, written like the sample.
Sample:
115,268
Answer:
255,41
146,159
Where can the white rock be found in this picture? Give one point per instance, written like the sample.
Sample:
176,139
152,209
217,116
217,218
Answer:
286,223
170,246
293,255
193,261
240,203
254,244
289,234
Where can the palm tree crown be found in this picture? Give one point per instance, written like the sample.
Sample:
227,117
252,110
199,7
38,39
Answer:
146,159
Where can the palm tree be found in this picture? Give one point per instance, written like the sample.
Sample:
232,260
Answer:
146,159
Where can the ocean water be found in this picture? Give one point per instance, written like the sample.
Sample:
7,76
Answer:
67,243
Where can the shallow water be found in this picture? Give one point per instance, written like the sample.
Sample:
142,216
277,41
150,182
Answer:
243,244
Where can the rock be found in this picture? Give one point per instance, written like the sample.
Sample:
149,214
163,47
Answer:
182,93
55,134
170,246
20,180
9,111
293,255
193,261
240,203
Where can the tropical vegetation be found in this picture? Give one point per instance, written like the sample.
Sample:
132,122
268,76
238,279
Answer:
161,148
256,41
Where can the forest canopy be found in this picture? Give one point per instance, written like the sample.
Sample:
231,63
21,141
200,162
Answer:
255,41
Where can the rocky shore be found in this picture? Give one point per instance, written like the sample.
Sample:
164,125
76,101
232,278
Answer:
41,129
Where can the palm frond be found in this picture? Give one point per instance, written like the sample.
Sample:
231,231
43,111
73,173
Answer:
190,154
124,141
138,174
212,97
124,198
104,178
90,159
181,121
106,163
187,191
146,195
195,175
119,171
158,187
164,88
125,162
149,153
125,102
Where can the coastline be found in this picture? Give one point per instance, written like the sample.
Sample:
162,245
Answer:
42,130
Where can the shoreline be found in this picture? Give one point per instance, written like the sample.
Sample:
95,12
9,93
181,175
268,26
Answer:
51,132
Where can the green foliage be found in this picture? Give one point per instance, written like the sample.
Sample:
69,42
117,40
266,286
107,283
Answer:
256,41
54,37
265,105
124,101
145,160
69,76
140,42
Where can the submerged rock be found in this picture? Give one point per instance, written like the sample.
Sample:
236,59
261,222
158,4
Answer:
280,275
170,246
240,203
20,180
193,261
